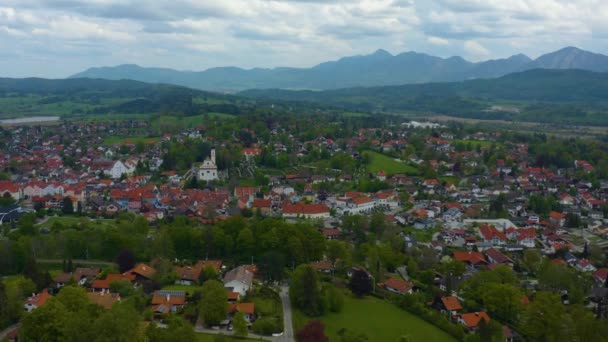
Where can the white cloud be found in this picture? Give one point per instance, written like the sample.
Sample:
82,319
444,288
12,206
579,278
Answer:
476,49
198,34
437,41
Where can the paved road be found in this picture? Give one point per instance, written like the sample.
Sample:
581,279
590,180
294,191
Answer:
288,334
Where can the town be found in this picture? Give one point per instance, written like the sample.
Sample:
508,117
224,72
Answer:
284,226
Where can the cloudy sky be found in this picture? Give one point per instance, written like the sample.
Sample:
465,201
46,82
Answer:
56,38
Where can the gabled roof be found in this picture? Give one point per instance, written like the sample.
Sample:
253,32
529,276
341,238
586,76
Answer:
497,256
451,303
246,308
169,298
143,270
473,258
489,233
105,283
301,208
471,320
240,274
399,285
39,299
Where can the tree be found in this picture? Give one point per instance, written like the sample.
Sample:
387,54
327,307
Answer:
125,260
335,298
73,298
208,273
121,323
47,323
213,302
542,320
532,259
240,325
67,205
360,283
305,291
177,330
313,331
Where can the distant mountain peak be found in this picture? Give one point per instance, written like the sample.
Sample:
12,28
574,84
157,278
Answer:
379,68
382,53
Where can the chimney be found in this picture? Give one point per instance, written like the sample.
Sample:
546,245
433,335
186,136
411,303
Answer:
168,297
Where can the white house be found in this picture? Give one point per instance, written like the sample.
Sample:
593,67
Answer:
239,279
119,168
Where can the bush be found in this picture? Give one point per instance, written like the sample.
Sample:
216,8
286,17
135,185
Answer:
335,299
267,326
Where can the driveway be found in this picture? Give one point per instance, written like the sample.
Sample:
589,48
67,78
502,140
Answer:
288,334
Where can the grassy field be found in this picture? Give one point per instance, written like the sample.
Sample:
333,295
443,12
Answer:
380,162
378,319
69,220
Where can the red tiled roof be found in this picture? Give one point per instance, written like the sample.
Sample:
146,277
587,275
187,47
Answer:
470,257
301,208
399,285
143,270
39,299
105,283
246,308
472,319
451,303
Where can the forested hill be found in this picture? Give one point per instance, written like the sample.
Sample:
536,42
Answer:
581,93
97,96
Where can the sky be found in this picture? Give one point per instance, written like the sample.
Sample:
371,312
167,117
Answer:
57,38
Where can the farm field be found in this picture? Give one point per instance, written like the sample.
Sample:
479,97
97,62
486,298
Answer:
380,162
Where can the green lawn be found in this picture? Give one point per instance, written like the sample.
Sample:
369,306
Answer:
67,221
378,319
380,162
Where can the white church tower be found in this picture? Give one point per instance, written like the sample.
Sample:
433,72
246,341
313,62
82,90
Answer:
208,170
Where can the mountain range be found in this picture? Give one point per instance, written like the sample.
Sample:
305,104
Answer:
377,69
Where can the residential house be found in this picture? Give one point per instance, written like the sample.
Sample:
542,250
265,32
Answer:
472,259
239,279
142,272
585,265
99,285
471,320
491,235
398,286
497,258
165,302
247,309
303,210
450,305
80,276
37,300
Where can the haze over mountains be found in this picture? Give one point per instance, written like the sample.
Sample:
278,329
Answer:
377,69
